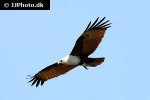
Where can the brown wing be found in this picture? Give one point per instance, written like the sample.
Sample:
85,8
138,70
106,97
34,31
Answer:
50,72
87,43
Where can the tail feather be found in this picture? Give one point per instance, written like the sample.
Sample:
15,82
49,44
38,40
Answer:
93,62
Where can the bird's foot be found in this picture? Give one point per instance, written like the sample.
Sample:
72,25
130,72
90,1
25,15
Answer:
85,66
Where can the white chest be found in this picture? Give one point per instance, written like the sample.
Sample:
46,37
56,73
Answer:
70,60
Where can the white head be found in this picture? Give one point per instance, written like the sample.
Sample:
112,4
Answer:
69,60
63,60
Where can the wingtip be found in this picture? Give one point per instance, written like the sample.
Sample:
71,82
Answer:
42,82
104,17
97,18
29,77
98,24
35,80
87,26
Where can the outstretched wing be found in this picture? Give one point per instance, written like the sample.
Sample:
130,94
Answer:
87,43
50,72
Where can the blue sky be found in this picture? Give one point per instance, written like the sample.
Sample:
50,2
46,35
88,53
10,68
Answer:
31,40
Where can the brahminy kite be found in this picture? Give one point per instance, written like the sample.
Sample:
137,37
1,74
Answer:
85,45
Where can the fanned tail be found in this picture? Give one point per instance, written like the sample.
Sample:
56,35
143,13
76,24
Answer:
93,62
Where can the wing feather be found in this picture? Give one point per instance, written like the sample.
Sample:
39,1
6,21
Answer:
88,26
92,26
87,43
96,25
50,72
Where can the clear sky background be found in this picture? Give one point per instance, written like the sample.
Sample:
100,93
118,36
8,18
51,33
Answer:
31,40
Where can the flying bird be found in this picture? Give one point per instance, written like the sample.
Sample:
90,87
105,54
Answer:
85,45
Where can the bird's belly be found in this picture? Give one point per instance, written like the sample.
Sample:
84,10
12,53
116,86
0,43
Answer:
73,60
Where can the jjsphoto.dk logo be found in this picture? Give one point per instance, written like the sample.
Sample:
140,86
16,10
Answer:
25,5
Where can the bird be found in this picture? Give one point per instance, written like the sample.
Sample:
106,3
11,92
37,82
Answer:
85,45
